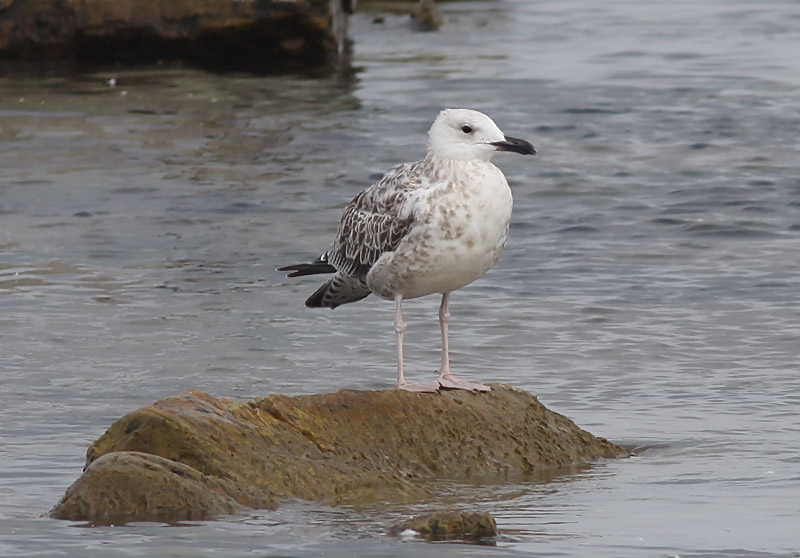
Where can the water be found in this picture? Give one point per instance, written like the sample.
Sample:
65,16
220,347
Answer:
650,290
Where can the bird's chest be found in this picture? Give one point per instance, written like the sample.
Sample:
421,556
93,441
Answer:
467,226
458,235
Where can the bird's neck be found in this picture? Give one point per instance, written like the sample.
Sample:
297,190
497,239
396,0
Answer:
443,163
468,173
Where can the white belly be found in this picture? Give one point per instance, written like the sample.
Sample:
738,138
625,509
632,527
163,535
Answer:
456,239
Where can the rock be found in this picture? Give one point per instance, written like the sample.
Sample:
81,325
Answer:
130,486
348,447
263,35
426,16
449,525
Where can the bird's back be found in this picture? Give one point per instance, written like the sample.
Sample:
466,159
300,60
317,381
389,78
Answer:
376,220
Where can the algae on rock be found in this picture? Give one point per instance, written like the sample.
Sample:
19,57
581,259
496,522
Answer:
450,525
348,447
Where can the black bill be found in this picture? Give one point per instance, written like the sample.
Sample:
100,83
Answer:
516,145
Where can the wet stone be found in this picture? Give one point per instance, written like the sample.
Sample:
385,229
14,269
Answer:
259,35
196,456
450,525
122,487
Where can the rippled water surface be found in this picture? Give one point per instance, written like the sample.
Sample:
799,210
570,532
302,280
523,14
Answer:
650,289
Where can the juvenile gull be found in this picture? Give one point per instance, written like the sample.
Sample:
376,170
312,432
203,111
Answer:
433,226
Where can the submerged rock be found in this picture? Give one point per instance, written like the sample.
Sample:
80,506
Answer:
262,35
445,526
348,447
426,16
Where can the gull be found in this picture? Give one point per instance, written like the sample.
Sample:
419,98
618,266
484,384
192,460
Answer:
428,227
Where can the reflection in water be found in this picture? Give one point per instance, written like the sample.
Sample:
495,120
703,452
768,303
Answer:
649,290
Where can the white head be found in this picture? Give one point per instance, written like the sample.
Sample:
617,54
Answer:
470,135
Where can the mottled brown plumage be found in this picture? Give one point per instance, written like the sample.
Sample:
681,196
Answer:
432,226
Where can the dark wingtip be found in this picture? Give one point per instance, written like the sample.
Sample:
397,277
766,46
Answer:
315,300
295,270
301,270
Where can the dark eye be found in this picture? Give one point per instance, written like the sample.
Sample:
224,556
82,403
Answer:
466,129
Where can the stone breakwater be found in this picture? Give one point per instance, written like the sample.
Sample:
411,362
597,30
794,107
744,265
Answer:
260,35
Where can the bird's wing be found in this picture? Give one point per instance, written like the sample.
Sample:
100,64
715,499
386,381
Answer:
375,221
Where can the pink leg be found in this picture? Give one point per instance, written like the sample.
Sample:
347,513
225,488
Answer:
400,330
446,378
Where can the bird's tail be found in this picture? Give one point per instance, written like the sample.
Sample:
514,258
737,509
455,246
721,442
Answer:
313,268
339,289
